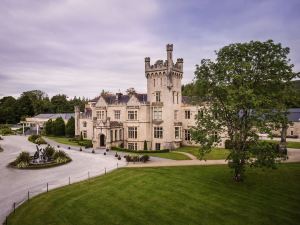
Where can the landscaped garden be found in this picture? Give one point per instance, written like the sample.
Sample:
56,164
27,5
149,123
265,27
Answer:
42,158
171,195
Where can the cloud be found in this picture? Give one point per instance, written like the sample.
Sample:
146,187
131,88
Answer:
81,47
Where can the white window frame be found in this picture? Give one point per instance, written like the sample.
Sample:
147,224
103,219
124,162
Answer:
177,132
158,132
117,114
100,114
132,145
187,135
132,132
157,96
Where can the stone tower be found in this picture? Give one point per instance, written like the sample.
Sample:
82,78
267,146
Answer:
164,95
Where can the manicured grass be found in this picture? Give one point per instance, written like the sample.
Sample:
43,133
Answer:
216,153
171,195
290,144
63,140
169,155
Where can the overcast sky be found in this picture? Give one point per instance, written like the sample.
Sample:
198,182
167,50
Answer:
79,47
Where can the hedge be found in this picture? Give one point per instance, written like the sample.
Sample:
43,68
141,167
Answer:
139,151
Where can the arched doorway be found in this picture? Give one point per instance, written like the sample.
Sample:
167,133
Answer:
102,140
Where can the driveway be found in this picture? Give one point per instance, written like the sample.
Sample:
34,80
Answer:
15,183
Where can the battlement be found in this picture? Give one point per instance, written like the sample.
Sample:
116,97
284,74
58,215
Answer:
169,47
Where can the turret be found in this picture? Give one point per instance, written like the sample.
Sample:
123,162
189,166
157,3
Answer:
170,55
147,63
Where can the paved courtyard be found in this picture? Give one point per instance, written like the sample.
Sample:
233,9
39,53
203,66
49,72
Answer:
15,183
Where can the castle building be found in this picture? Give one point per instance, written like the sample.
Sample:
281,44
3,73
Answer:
162,117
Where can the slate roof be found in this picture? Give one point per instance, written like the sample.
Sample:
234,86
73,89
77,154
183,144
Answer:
122,99
294,115
64,116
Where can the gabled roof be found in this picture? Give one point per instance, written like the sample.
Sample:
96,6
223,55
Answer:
120,99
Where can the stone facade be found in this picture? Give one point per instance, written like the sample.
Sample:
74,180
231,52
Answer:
162,117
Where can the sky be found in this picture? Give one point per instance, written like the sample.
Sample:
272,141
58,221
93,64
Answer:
79,47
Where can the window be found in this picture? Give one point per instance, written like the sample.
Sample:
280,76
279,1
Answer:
117,114
132,132
215,136
112,135
157,113
84,124
84,134
187,114
116,135
292,132
200,113
177,132
132,146
157,146
187,135
177,97
175,114
132,115
158,132
154,82
161,82
157,96
100,114
120,134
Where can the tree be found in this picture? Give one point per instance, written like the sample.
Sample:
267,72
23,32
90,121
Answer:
59,127
145,145
49,127
24,107
70,127
241,89
8,110
130,91
60,104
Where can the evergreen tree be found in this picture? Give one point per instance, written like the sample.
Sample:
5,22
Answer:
70,127
49,127
59,127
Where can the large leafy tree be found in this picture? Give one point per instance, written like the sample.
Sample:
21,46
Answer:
70,127
8,110
239,93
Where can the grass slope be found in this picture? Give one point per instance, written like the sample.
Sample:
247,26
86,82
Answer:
63,140
216,153
171,195
290,144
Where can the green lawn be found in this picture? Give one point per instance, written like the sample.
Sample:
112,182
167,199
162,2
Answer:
169,155
290,144
216,153
63,140
171,195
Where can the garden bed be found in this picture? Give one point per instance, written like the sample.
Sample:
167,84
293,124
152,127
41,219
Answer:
39,166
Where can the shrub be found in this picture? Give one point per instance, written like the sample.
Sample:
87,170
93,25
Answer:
22,164
40,141
116,155
49,151
33,137
6,130
119,157
104,153
86,143
70,127
59,154
1,149
61,160
23,157
59,127
145,145
1,138
80,149
144,158
139,151
93,151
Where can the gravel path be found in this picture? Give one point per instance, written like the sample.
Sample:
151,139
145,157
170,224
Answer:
15,183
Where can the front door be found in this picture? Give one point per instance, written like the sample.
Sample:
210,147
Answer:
102,140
